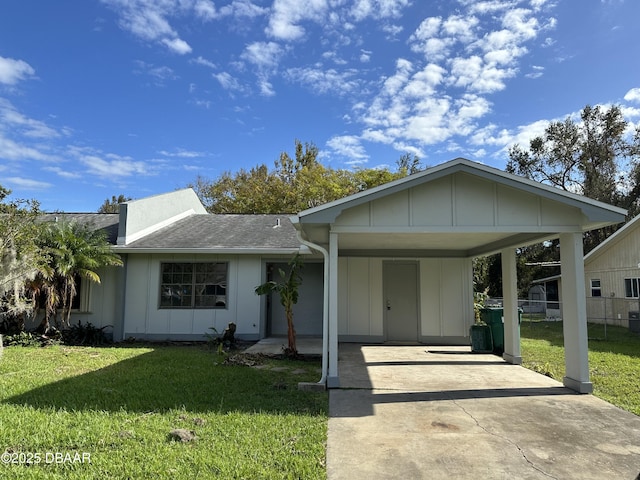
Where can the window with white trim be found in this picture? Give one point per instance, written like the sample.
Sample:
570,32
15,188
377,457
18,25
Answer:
596,288
631,287
193,285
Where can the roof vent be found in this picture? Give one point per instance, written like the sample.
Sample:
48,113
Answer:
277,223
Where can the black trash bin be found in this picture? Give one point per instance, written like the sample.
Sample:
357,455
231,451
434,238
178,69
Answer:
634,322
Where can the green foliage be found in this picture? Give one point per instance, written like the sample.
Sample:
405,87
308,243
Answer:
295,184
595,157
22,339
85,334
72,250
113,205
287,290
19,254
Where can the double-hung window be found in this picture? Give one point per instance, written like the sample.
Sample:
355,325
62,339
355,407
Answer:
596,287
631,287
193,285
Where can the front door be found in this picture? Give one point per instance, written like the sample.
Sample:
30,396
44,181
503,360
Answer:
401,301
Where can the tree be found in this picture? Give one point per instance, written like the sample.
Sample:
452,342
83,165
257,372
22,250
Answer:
74,251
113,205
19,254
294,184
595,157
287,290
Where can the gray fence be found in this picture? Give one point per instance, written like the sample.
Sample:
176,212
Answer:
620,312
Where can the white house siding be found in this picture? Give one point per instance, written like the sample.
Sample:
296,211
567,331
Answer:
445,299
100,303
144,319
611,266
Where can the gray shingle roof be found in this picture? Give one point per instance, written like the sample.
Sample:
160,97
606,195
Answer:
208,231
98,221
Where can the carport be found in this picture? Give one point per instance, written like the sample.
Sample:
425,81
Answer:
398,258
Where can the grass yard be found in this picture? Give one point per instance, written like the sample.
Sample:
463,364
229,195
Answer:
62,406
614,359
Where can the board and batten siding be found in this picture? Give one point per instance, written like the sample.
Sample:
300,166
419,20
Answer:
144,319
611,265
460,200
445,299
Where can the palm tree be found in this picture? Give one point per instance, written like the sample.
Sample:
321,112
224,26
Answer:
73,251
287,289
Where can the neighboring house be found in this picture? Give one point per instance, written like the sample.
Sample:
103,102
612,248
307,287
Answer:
390,264
612,277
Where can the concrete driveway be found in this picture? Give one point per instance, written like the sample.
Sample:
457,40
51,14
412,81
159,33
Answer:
415,412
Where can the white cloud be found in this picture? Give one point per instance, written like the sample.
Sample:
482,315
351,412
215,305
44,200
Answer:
227,81
324,81
12,70
108,165
182,153
160,74
243,8
149,20
62,172
28,183
12,150
378,9
348,146
177,45
205,9
264,55
287,14
203,61
17,122
633,95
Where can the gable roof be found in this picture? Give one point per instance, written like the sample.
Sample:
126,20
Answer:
628,229
598,213
96,221
209,233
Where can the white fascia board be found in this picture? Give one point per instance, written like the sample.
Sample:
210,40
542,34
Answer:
213,250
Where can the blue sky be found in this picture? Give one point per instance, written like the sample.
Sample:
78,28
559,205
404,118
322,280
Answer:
138,97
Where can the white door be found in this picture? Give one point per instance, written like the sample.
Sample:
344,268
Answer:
401,301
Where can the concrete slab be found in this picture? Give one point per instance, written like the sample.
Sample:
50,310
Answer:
443,412
276,345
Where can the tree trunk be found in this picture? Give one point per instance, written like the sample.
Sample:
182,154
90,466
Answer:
291,333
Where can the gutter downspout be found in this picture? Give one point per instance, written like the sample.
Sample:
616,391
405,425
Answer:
325,305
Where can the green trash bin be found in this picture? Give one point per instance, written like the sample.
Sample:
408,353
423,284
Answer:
480,336
494,317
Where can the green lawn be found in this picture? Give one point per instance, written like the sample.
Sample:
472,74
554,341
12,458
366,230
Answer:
117,405
614,359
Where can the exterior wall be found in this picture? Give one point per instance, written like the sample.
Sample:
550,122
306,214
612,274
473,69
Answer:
611,266
460,200
144,319
307,313
100,303
446,299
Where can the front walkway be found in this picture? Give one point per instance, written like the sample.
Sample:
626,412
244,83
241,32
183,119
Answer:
415,412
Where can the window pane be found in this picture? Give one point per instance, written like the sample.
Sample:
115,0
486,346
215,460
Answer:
200,285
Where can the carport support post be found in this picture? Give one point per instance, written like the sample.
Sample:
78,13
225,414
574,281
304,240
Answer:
574,314
333,380
510,307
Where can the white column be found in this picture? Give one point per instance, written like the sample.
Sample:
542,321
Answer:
574,314
333,381
510,307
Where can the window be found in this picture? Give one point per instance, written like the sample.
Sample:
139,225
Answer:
631,287
596,289
193,285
